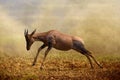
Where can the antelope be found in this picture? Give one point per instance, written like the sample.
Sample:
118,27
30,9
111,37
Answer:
59,41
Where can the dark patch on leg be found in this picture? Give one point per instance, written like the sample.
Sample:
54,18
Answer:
79,46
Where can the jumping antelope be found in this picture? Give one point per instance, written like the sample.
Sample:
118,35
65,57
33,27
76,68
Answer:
57,40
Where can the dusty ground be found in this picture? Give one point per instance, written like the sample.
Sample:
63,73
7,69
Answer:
19,68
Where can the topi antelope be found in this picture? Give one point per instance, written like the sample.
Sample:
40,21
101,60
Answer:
57,40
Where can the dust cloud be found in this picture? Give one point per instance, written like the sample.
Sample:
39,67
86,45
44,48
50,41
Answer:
96,21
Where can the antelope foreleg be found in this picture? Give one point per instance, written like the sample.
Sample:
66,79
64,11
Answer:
46,52
35,59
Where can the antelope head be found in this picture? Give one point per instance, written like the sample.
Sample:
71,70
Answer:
29,38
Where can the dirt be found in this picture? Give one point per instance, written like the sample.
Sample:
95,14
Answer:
21,69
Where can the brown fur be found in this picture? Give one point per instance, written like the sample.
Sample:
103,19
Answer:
57,40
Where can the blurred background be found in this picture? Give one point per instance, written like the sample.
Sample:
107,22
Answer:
97,22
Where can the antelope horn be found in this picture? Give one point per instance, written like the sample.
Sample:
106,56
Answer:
25,32
33,32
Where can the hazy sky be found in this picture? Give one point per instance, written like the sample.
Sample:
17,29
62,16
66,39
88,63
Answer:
28,11
99,19
59,12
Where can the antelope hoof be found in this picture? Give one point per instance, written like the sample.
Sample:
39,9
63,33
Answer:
101,67
33,64
92,67
41,68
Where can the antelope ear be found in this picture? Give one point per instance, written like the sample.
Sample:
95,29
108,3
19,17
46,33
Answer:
33,32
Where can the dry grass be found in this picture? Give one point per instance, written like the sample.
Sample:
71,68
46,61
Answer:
59,67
